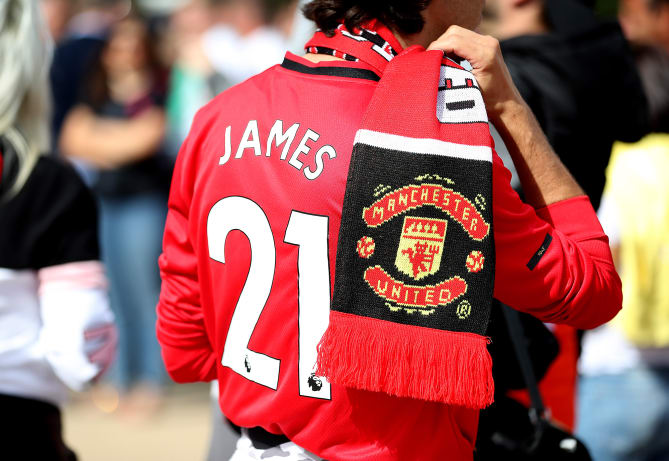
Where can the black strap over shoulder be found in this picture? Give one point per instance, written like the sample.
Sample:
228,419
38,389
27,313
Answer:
537,410
509,431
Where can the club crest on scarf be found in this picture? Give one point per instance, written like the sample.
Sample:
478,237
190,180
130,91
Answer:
415,255
421,245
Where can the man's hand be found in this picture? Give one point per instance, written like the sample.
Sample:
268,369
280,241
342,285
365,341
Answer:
483,53
544,178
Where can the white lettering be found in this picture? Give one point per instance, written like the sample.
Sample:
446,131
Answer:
284,140
228,150
303,148
277,135
250,139
327,149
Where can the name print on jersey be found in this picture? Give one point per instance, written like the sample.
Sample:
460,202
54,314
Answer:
251,142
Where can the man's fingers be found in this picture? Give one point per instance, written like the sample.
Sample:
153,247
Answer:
479,50
485,56
454,44
448,42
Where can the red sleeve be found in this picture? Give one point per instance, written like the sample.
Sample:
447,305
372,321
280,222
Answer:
553,263
186,349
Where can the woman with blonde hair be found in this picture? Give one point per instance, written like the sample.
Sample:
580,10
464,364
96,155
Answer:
57,330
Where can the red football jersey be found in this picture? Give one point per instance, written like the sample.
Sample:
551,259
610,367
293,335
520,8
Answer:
249,258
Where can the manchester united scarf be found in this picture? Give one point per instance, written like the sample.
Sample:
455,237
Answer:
415,256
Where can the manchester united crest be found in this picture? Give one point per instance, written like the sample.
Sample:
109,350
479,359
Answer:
418,281
421,246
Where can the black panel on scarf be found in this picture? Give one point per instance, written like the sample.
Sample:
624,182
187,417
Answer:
468,312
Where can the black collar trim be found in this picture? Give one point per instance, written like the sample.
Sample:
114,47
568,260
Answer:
350,72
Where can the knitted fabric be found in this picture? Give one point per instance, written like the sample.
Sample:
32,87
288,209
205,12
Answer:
415,256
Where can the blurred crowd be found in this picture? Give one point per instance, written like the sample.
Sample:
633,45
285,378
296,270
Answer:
127,78
600,90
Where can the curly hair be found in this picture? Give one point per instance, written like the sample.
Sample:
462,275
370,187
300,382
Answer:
403,15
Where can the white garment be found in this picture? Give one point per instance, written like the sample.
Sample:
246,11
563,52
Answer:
45,318
303,29
24,370
237,57
609,217
284,452
605,350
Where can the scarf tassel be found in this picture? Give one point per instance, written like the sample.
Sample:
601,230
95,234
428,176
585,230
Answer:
406,361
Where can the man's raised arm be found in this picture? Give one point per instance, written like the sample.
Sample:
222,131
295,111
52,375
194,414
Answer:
552,256
544,178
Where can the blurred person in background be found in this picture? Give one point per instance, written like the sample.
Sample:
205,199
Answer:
248,37
80,40
218,44
570,67
118,127
646,22
57,14
579,77
193,81
624,387
57,330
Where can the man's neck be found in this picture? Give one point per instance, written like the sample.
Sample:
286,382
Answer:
427,35
321,57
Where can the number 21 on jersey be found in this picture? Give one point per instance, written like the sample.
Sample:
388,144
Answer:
310,234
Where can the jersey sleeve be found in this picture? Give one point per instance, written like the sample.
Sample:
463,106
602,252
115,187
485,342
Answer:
186,349
553,263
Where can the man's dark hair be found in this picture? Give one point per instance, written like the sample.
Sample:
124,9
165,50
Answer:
402,15
655,4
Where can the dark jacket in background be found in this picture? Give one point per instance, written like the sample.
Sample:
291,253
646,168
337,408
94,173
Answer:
581,83
71,61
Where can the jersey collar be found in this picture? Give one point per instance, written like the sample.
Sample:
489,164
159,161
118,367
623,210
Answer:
347,69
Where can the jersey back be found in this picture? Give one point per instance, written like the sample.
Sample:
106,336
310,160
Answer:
268,163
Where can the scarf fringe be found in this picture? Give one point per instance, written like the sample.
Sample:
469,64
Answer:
406,361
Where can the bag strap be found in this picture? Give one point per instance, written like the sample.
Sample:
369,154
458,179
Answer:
537,409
